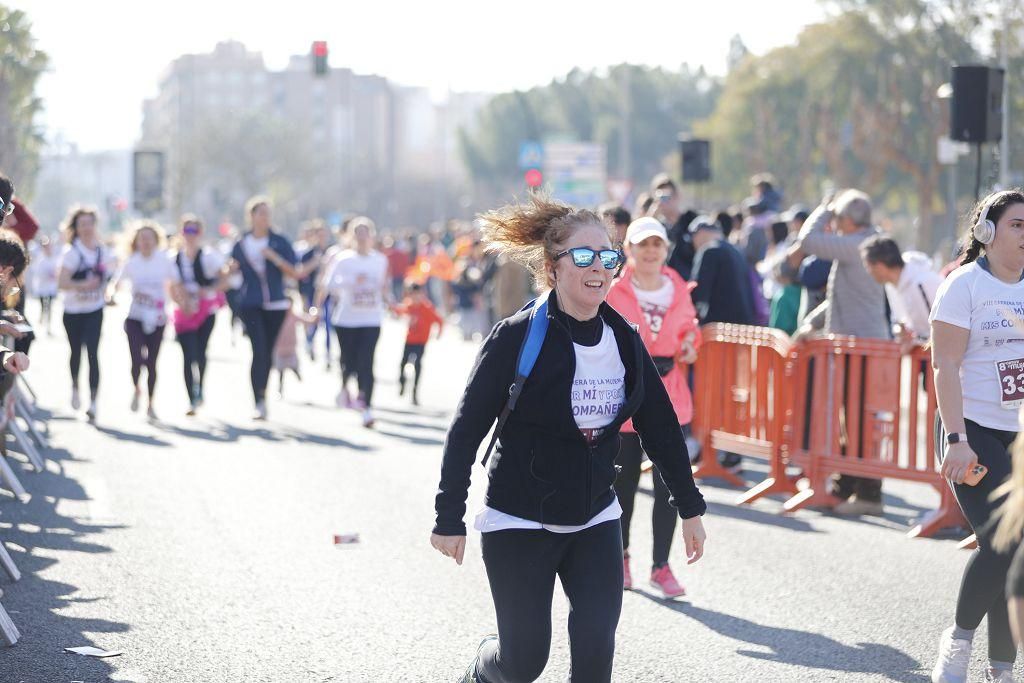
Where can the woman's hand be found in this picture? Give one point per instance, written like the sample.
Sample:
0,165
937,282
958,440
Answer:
450,546
16,363
8,329
688,352
694,537
959,459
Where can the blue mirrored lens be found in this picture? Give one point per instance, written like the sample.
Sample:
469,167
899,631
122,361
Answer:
609,259
582,256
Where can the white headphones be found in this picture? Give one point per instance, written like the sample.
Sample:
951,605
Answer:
985,230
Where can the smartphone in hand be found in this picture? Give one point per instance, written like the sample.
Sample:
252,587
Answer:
975,474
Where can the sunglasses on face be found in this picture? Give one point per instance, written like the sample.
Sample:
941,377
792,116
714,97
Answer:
6,208
583,257
190,229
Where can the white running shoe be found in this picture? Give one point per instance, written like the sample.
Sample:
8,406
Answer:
367,418
76,402
343,400
261,411
91,412
150,413
135,401
1003,676
954,658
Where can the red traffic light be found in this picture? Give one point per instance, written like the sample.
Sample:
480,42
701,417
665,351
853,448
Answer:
320,48
533,177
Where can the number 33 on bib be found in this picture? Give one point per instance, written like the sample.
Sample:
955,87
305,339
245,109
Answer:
1011,382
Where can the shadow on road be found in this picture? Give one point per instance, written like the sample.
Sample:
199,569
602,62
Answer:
143,439
412,438
40,606
804,648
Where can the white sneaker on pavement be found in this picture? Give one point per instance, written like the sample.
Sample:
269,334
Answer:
367,418
954,658
1003,676
91,412
76,402
261,411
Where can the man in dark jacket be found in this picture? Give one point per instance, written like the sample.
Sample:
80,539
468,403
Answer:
676,221
723,282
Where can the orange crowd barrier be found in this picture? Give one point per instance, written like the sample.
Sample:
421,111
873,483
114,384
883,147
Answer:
741,399
835,405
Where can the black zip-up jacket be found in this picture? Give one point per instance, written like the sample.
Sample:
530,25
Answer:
543,469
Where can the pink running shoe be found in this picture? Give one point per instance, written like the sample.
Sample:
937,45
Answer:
665,581
627,577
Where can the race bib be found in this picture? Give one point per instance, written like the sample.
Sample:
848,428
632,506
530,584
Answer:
1011,382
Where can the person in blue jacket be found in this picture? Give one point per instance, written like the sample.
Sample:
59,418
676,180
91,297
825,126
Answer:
264,258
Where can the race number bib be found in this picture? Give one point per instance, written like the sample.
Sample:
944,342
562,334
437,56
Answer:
1011,382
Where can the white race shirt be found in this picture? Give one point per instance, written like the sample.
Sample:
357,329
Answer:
654,304
210,259
357,283
992,371
149,278
76,257
597,395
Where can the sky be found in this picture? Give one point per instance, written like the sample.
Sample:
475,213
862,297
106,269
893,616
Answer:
106,56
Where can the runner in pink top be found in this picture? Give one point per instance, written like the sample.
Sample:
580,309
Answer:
656,299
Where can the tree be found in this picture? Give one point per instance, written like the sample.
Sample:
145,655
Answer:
852,102
588,106
21,64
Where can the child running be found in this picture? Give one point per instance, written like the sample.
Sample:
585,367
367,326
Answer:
422,318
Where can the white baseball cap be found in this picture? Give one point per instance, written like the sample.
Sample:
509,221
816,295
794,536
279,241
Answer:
645,227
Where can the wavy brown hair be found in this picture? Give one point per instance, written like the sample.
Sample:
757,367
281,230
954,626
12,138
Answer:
70,225
972,248
531,232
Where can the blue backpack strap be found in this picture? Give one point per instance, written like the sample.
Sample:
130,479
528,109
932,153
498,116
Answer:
536,330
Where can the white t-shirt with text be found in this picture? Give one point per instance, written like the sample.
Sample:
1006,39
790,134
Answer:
654,304
76,257
992,371
149,277
598,392
357,282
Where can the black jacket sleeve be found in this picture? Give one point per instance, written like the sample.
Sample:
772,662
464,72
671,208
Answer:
662,439
485,396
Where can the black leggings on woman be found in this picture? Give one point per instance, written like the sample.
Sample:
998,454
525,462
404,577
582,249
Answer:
84,330
521,567
663,517
983,588
144,348
193,350
358,345
262,327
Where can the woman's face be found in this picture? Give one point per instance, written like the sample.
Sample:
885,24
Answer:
261,216
192,233
362,237
86,227
146,242
1009,239
649,255
583,289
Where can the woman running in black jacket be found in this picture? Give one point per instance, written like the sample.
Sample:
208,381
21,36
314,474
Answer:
551,510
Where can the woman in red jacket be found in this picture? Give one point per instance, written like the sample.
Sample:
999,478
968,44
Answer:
654,297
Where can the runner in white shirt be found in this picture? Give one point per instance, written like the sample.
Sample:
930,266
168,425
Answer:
85,270
153,278
42,278
357,279
978,356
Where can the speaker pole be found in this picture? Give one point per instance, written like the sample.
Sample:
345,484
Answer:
977,174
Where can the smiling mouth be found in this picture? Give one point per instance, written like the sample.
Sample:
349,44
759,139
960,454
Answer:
594,284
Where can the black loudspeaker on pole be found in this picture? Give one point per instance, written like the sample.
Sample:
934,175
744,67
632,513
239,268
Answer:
696,158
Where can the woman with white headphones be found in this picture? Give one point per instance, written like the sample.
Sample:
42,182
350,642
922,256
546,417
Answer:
977,324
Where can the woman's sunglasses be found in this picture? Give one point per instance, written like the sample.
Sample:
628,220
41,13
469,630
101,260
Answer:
583,257
190,229
6,208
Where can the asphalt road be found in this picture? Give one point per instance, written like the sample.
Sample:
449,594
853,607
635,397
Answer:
202,548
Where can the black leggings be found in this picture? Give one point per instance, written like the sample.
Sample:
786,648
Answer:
84,330
193,350
413,353
144,349
983,589
358,345
663,517
521,568
262,327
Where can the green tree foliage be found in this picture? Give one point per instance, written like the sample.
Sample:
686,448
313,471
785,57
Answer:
21,64
589,106
853,102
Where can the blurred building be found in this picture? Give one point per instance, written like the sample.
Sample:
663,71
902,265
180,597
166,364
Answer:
67,176
321,145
